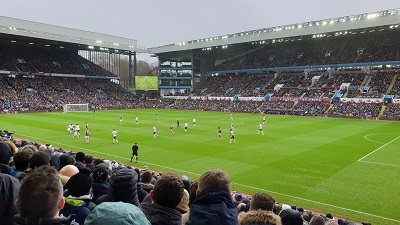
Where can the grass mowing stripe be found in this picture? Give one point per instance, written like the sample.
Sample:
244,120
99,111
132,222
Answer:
239,184
377,149
377,163
311,158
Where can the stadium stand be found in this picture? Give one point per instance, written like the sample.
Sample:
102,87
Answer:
298,94
364,47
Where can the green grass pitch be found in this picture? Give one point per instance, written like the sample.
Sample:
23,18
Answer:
350,168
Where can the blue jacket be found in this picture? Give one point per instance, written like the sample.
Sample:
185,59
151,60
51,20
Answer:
99,189
213,206
80,207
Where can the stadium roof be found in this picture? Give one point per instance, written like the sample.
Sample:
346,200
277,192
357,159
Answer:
16,29
319,27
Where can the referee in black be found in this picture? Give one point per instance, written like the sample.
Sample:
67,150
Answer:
135,149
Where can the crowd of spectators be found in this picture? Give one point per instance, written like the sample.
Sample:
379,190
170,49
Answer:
41,184
392,111
52,93
359,109
297,85
343,48
44,93
31,59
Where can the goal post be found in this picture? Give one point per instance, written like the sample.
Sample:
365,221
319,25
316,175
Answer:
76,107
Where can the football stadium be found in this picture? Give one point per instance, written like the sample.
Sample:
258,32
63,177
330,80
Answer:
292,124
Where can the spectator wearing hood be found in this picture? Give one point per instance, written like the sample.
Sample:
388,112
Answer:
116,213
123,184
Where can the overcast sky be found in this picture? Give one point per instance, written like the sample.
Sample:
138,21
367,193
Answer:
160,22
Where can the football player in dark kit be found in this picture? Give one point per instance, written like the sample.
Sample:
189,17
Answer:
135,150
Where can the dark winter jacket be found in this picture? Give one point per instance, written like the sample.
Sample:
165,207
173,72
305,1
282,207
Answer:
80,207
9,187
99,189
123,184
43,221
213,206
160,215
259,217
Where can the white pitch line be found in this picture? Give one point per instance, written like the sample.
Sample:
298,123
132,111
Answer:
372,140
383,164
377,149
243,185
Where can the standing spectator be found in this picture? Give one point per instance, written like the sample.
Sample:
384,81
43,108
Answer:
213,205
166,196
40,198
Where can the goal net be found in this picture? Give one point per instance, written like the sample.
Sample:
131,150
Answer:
76,107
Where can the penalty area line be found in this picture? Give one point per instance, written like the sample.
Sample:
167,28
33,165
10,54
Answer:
377,149
243,185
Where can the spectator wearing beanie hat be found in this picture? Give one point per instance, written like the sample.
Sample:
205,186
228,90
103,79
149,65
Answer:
78,196
237,198
291,217
100,183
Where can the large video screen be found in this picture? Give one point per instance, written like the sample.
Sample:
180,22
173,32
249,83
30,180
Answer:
146,83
